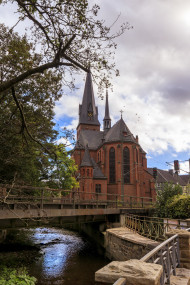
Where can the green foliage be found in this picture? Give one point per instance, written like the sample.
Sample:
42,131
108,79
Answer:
11,276
164,197
28,153
61,174
179,207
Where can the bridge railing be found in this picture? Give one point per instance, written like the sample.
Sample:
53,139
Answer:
44,195
166,254
153,227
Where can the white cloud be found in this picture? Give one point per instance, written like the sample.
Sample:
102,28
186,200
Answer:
184,167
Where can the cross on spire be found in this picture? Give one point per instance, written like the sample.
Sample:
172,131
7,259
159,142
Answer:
121,111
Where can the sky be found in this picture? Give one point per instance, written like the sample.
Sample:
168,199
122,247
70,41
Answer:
153,88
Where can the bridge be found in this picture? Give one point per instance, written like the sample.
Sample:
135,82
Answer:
23,205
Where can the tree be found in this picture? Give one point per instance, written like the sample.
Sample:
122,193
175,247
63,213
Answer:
164,197
61,175
66,36
27,136
69,36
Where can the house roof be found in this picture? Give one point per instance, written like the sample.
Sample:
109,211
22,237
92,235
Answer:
164,176
185,179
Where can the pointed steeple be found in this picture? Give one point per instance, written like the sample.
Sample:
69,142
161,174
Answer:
107,119
86,161
88,112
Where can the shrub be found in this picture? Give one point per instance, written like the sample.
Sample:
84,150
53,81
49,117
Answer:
10,276
179,207
164,197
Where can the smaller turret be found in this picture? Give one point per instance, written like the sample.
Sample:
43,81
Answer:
107,119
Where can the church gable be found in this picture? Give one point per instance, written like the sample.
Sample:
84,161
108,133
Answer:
119,132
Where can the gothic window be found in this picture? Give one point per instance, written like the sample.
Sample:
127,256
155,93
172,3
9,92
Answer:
137,156
112,165
98,188
126,165
87,172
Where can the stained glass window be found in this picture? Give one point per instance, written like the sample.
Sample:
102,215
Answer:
112,165
126,165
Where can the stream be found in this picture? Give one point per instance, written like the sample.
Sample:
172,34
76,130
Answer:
66,257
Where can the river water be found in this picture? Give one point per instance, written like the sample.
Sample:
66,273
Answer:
67,257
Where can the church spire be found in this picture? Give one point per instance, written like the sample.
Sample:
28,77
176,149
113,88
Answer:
88,112
107,120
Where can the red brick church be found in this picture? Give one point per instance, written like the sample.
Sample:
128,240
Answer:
111,162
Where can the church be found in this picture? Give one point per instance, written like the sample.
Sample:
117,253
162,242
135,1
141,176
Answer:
111,163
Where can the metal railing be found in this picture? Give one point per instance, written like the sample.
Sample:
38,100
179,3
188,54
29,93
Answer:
153,227
166,254
75,198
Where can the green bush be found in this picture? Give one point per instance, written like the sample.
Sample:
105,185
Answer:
179,207
164,197
10,276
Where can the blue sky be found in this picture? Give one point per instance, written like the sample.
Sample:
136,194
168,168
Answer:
153,88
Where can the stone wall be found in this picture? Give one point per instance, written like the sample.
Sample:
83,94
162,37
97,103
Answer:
123,244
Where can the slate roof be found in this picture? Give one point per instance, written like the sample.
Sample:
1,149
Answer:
88,104
97,173
90,137
119,132
164,176
86,160
107,113
185,179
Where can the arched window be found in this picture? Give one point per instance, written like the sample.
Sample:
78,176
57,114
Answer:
112,164
126,165
137,156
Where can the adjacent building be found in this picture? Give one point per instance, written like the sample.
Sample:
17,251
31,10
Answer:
169,176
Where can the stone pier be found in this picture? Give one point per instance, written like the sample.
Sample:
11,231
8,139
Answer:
123,244
184,246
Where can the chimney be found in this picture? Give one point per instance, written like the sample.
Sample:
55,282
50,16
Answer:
171,172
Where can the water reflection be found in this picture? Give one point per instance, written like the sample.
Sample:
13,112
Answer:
67,258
